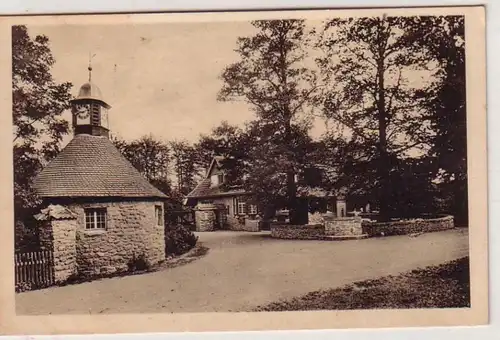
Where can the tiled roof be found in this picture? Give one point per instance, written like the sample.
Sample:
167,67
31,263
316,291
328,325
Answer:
203,189
91,166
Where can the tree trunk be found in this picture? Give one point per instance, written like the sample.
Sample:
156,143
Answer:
383,166
291,185
291,191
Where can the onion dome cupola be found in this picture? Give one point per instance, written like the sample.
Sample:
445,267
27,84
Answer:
90,111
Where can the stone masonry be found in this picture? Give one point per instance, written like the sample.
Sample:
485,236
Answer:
131,231
205,217
343,226
58,234
298,232
405,227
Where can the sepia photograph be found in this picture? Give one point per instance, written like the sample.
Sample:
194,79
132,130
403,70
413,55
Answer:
280,162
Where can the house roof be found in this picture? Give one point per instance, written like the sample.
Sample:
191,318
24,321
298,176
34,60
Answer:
204,189
216,160
91,166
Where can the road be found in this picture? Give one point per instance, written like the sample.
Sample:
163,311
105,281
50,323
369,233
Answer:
244,270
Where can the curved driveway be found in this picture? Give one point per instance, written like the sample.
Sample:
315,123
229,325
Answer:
244,270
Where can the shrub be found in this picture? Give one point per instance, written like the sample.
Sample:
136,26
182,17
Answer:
138,263
179,239
23,287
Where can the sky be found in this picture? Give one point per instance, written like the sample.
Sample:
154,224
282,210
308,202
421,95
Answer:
160,79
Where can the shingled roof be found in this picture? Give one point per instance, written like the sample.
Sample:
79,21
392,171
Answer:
91,166
204,189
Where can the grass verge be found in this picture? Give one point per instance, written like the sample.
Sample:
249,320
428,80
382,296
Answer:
443,286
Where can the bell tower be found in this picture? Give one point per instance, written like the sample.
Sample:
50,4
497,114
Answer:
89,110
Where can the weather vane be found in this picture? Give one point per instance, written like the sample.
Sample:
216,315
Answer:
90,65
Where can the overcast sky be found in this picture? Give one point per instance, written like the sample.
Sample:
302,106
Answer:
159,78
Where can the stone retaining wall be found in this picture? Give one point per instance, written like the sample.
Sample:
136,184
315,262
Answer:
235,224
248,225
299,232
343,226
405,227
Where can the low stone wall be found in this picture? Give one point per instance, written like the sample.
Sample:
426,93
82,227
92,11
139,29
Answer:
343,226
248,225
298,232
252,225
405,227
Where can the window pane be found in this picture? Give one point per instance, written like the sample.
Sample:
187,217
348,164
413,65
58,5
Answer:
95,218
159,215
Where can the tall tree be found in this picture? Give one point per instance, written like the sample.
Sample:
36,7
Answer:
268,160
445,100
272,78
374,69
184,159
151,157
38,103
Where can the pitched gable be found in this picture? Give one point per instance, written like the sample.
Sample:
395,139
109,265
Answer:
208,188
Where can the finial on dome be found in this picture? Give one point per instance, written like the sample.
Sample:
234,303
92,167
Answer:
90,66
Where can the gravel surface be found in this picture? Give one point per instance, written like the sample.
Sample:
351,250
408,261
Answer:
244,270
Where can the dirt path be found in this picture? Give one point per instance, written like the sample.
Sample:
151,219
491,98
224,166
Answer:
243,270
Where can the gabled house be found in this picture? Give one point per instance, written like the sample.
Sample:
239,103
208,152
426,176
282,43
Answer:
218,206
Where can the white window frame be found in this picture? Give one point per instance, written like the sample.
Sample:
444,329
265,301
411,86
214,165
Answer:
91,218
160,222
252,209
241,206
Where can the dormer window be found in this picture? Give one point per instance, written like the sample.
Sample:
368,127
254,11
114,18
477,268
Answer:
220,178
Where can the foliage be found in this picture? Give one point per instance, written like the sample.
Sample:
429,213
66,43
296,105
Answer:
232,144
179,239
272,78
270,157
371,65
223,140
445,102
412,193
138,263
38,103
23,287
151,157
184,157
443,286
